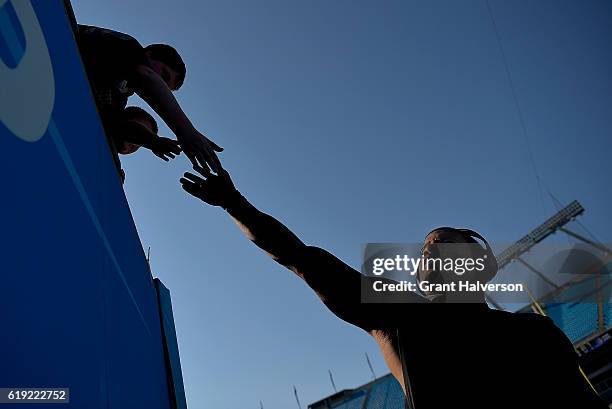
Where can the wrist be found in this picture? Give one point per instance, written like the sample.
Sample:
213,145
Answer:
186,131
234,202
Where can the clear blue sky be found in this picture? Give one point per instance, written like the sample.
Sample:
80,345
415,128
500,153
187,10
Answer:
355,122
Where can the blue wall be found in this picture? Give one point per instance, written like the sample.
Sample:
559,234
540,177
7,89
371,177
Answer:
77,302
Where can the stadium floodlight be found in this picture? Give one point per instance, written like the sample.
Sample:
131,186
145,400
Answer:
554,223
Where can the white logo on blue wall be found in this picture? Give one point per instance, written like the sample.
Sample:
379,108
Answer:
26,73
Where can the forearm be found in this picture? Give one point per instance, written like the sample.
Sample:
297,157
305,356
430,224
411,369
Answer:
324,273
152,88
265,231
339,286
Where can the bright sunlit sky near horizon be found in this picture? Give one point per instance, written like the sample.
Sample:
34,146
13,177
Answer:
355,122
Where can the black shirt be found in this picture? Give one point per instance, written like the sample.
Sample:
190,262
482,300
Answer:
110,59
467,355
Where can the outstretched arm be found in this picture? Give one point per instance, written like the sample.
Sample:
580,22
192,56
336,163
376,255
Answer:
337,284
198,148
136,133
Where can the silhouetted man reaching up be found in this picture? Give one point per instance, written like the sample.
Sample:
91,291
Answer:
459,355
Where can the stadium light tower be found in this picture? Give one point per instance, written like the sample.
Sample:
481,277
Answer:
554,223
521,246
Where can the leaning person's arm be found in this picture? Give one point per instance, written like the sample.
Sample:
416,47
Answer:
199,149
152,88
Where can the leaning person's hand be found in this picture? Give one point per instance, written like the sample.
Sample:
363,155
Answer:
166,148
201,152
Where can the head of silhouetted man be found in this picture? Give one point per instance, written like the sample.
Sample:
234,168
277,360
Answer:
454,255
143,118
167,63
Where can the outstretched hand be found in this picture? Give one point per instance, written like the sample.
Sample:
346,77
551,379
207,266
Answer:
201,152
165,148
216,190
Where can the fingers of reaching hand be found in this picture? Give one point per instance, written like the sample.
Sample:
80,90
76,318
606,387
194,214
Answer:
197,163
173,147
207,154
205,166
207,158
192,158
161,155
215,146
165,155
193,185
191,188
190,177
203,158
203,170
169,152
214,161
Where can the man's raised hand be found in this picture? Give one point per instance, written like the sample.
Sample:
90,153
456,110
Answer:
216,190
